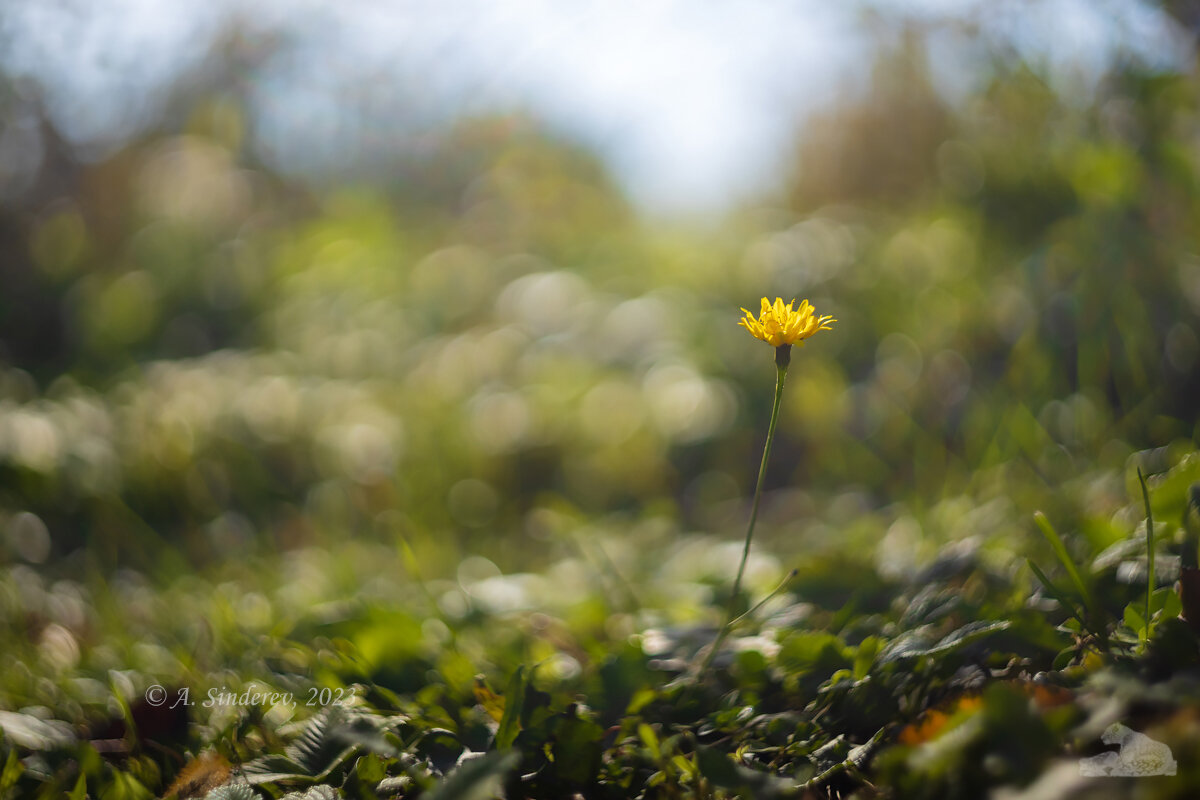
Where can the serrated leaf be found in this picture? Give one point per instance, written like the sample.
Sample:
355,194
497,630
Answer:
967,634
364,736
273,769
909,644
930,604
233,791
315,793
479,778
319,744
396,784
324,745
917,644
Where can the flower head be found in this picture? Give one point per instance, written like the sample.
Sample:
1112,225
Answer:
780,324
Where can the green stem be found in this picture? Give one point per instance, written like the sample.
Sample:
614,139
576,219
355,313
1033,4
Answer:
781,368
782,585
780,376
1149,549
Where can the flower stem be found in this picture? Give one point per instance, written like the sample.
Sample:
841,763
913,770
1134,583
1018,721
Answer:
781,367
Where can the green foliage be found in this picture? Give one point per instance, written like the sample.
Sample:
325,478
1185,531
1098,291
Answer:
510,721
11,773
325,746
363,451
477,779
314,793
240,791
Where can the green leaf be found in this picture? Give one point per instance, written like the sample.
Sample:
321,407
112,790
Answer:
232,791
514,699
1065,657
319,744
370,769
865,656
578,745
909,644
725,773
913,646
13,768
1191,540
125,787
1055,592
1149,545
80,790
315,793
1173,646
396,785
326,743
479,778
802,651
718,768
273,769
364,779
1169,604
1134,620
650,739
685,767
1060,550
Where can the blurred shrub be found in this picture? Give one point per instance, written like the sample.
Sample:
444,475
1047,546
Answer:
200,355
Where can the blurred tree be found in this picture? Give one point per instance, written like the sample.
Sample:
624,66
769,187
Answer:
879,149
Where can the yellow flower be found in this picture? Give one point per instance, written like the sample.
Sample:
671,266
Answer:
780,324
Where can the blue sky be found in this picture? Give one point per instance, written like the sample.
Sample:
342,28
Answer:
691,103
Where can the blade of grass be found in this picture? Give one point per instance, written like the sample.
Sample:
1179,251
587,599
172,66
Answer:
782,585
1056,593
1060,550
514,699
1149,548
1191,541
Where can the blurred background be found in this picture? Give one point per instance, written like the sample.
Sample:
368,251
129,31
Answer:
377,296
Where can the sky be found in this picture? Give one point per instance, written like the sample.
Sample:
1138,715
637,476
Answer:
692,104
